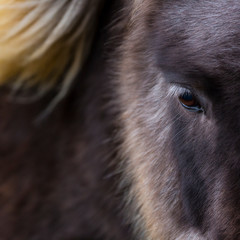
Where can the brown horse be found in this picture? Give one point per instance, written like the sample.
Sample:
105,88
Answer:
119,120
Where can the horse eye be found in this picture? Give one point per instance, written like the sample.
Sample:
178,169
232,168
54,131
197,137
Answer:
189,101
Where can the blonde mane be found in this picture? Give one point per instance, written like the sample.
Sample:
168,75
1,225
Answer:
44,43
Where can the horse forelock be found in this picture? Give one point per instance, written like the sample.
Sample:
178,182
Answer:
44,44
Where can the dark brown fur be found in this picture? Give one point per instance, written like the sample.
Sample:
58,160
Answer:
58,177
120,157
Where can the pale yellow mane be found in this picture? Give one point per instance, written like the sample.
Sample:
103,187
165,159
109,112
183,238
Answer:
44,42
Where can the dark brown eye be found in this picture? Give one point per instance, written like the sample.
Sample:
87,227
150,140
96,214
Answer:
189,101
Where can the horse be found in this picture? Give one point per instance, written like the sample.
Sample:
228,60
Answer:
119,120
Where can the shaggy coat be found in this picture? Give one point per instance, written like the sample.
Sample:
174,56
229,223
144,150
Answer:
119,120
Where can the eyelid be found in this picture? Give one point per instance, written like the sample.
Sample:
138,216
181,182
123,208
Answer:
176,90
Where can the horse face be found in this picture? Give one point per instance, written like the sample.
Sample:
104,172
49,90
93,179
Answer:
180,93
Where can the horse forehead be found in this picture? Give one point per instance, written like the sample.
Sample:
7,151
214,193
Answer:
213,27
205,34
210,15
